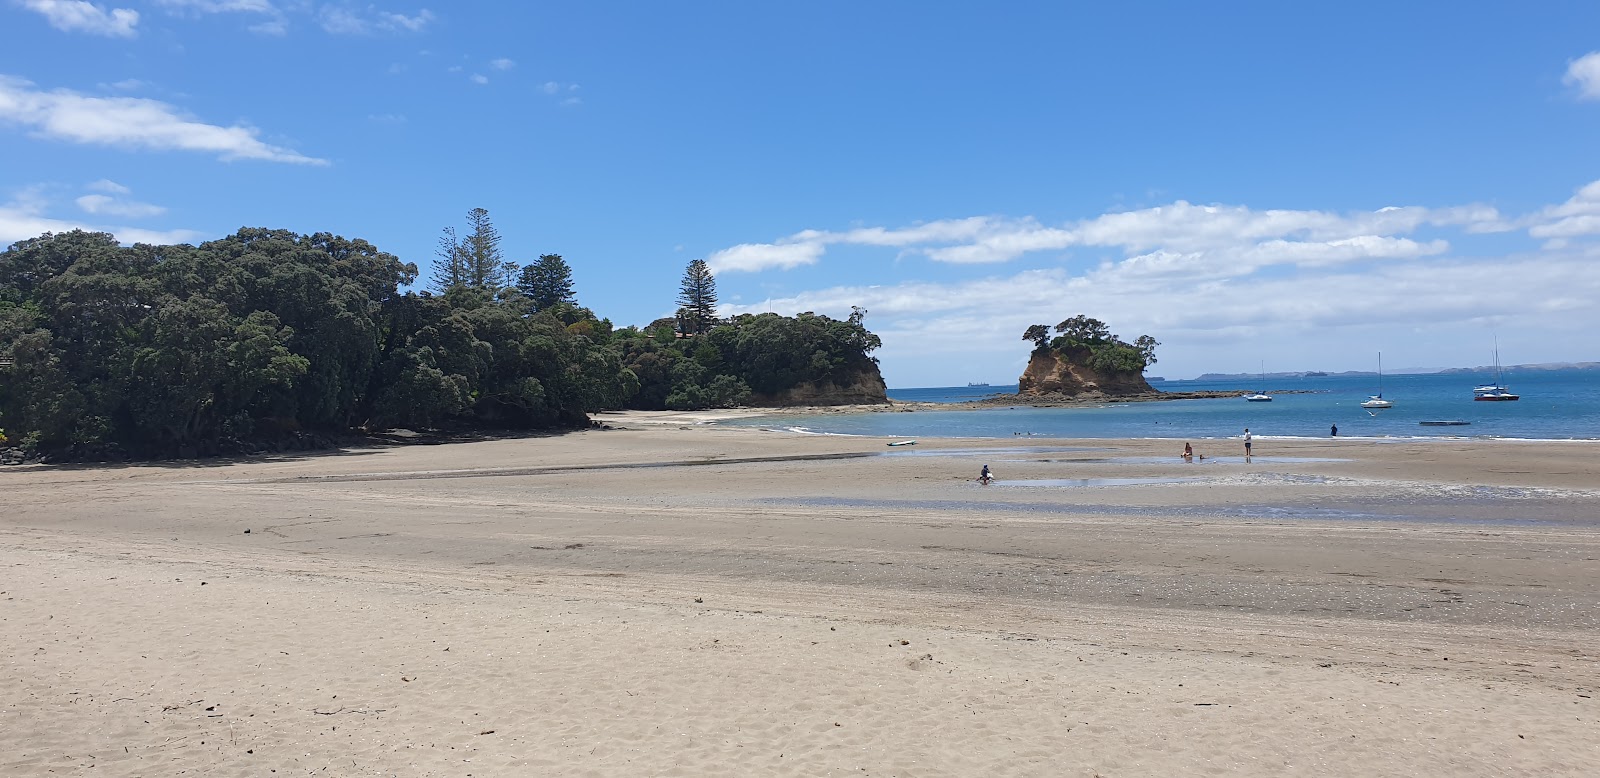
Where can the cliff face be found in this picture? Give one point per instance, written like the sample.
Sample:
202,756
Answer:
863,388
1053,373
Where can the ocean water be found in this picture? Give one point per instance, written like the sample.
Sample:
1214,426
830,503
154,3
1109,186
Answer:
1559,405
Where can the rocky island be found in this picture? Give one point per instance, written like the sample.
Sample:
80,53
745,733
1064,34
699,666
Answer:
1084,363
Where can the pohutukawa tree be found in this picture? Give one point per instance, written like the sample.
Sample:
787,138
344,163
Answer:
697,297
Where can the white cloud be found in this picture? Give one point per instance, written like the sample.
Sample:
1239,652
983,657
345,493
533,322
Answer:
1181,228
479,78
414,23
219,6
125,85
550,87
107,185
342,20
106,205
1584,73
83,16
23,217
131,123
275,27
750,257
502,63
1208,280
1578,216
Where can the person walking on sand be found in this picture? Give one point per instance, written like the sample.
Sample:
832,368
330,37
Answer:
1246,442
985,477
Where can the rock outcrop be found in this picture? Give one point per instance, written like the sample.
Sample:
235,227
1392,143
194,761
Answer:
863,388
1053,373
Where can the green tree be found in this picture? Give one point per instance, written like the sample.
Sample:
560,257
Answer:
450,269
1083,330
547,282
486,266
473,261
1147,349
1039,334
697,297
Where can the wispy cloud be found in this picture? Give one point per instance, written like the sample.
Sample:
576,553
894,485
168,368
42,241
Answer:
1578,216
414,23
1584,73
24,217
107,185
87,17
557,89
346,20
106,205
502,63
479,78
219,6
130,122
760,256
1180,228
125,85
335,18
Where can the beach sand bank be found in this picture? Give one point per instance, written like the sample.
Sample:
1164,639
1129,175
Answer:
675,598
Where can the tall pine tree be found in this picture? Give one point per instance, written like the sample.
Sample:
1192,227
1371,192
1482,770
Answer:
474,261
450,270
547,282
481,252
697,298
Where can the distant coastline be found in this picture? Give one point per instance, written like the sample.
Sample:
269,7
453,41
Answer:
1532,368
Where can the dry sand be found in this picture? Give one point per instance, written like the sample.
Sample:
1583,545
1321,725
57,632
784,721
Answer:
676,598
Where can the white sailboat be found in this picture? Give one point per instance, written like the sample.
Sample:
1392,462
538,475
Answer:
1376,402
1260,397
1495,392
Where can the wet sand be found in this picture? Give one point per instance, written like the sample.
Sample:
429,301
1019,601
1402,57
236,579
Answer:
675,598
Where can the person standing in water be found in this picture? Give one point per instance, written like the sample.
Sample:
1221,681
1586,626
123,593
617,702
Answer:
1188,453
1334,433
1247,444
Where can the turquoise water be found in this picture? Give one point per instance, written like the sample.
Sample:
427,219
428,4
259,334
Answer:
1555,405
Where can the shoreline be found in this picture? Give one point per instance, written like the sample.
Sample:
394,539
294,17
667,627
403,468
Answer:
681,598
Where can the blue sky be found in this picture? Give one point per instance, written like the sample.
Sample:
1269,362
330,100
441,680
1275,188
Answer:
1297,185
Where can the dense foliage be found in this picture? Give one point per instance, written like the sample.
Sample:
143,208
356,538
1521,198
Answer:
1106,352
748,356
268,336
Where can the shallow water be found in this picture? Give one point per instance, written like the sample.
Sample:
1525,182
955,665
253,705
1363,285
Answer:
1076,482
1475,512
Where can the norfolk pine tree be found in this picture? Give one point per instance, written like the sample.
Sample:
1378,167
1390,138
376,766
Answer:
547,282
698,298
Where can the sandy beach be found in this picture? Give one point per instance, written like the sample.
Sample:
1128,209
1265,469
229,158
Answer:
675,597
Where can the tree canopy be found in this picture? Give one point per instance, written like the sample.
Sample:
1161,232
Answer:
1091,337
547,282
268,337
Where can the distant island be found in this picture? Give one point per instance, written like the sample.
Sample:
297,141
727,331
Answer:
1532,368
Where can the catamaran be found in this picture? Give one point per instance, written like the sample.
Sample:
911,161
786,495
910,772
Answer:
1376,401
1495,392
